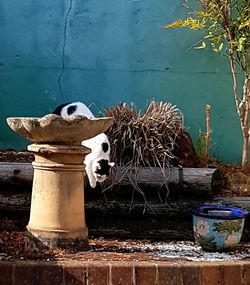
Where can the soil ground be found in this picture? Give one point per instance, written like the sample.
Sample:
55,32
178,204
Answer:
15,246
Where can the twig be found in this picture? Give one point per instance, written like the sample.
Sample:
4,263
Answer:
208,132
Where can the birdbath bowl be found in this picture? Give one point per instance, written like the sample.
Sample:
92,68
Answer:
57,217
55,129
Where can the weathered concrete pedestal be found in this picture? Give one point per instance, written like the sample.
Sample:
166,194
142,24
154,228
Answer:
57,215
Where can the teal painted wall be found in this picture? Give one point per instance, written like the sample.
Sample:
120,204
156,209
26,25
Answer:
107,52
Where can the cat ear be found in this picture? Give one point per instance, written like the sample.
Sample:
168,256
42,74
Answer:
111,164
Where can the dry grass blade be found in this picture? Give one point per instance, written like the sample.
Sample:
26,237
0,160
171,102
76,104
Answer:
144,139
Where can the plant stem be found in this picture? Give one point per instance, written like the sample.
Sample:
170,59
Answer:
208,131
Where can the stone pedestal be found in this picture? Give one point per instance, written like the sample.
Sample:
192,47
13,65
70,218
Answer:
57,215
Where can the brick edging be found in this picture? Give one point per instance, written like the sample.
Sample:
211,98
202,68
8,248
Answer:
124,272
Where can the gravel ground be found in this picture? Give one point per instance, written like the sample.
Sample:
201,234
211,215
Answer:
178,249
192,252
14,245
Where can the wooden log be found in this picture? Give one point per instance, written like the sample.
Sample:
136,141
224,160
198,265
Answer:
189,179
123,203
149,229
114,220
16,173
195,179
15,201
142,229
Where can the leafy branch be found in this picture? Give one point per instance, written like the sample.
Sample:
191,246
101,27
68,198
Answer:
227,30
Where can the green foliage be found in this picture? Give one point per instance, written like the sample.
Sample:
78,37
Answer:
228,227
206,242
191,23
226,27
225,21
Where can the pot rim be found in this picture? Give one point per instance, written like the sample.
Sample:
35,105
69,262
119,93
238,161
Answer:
235,212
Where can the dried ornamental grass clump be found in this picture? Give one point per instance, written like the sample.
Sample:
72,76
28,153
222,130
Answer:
144,139
147,138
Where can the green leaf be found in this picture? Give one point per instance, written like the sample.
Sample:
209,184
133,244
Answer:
203,45
221,46
241,43
209,36
244,24
206,242
227,227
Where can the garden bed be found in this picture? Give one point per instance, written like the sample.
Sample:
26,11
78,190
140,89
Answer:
123,212
132,240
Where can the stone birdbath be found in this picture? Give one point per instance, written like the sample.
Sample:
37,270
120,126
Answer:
57,217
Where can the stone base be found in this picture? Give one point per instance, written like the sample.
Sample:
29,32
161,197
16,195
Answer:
58,240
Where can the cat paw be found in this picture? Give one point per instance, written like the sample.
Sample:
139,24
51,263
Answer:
92,184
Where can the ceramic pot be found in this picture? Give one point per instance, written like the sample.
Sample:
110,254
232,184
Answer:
218,228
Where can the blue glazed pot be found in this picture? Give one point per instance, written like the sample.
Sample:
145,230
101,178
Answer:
218,228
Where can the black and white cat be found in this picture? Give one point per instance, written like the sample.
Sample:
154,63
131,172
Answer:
97,163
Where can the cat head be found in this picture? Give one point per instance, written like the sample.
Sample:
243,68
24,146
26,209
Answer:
101,169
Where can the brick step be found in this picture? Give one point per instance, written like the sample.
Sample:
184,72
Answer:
124,272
